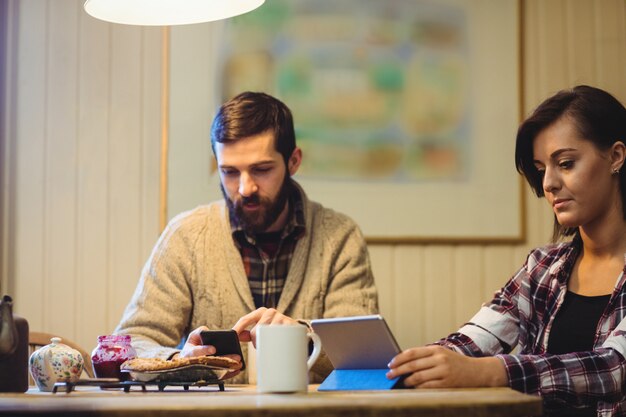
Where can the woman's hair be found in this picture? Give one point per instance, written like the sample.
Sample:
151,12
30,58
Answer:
249,114
597,116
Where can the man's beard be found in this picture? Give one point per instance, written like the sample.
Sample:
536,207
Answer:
259,220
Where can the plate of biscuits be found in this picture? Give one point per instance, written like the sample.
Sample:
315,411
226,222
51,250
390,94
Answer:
180,370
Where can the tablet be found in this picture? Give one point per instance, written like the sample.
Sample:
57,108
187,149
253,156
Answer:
359,342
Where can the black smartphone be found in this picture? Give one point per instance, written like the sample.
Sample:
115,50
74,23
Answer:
226,342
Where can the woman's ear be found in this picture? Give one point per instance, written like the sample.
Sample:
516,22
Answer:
618,154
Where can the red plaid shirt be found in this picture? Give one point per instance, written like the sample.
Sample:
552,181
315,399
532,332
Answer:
266,259
521,314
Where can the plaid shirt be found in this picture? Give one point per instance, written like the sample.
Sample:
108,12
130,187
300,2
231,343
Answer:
521,314
266,262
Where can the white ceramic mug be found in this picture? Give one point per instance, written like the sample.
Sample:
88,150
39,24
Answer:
281,361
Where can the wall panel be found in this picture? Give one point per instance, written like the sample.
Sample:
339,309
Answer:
409,298
151,90
580,27
59,211
610,40
87,138
92,177
436,292
124,187
30,281
469,285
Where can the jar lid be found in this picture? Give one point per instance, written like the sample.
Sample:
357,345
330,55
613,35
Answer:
113,338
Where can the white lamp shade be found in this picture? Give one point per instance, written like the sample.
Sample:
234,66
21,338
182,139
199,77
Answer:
167,12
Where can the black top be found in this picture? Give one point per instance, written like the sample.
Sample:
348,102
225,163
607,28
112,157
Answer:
574,327
574,330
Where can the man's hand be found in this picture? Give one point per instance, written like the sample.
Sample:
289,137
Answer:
194,347
246,326
439,367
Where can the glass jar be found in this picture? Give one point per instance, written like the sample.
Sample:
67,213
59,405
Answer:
112,351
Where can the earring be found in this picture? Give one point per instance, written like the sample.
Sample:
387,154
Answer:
615,171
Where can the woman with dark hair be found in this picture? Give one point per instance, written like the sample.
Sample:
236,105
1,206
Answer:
564,308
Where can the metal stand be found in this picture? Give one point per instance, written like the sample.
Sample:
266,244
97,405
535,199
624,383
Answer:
112,383
106,383
186,385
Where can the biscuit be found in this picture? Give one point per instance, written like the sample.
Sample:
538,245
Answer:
158,364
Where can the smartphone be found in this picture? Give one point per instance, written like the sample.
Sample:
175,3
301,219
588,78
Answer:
225,341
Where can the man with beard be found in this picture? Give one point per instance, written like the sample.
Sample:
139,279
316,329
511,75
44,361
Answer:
265,254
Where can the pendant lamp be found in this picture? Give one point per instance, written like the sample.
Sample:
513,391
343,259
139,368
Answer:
167,12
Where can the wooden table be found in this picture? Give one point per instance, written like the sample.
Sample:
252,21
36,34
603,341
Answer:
239,400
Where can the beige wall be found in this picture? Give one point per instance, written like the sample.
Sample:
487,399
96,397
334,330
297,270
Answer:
79,205
82,164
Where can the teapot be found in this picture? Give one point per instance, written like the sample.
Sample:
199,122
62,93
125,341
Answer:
13,349
54,363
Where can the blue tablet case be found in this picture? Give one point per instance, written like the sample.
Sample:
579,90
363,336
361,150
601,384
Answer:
358,379
360,348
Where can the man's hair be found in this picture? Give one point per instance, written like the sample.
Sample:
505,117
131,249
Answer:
249,114
597,117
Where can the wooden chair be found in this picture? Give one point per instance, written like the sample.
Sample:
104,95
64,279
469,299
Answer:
39,339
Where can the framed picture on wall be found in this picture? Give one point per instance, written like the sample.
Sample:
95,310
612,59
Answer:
406,111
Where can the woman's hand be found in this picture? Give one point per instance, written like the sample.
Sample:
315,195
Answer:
439,367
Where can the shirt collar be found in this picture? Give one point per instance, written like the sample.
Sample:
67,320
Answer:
562,269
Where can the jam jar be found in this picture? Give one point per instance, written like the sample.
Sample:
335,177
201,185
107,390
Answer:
112,351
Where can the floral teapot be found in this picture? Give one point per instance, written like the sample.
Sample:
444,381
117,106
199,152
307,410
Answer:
54,363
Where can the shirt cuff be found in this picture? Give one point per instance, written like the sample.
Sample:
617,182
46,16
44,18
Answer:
522,374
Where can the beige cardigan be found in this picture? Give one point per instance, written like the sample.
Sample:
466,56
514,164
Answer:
195,277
